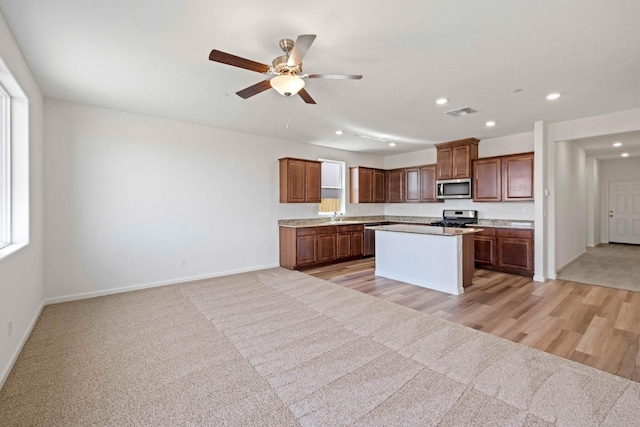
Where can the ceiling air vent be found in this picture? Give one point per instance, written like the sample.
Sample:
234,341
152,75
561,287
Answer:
461,112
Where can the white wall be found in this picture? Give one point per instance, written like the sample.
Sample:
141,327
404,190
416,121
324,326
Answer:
611,171
571,202
593,201
21,288
129,196
605,124
512,144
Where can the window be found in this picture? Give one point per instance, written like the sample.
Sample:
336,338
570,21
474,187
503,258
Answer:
332,198
5,172
14,164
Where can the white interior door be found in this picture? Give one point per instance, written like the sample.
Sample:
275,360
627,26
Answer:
624,212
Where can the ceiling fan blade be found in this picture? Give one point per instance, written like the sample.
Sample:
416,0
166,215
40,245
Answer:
236,61
300,48
306,97
334,76
254,90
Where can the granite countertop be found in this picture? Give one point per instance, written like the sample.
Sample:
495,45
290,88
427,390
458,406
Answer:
425,229
424,220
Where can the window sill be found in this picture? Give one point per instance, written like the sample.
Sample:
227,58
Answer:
11,249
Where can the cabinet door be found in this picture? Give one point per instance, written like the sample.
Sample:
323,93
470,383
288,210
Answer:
428,184
357,241
296,181
412,184
462,162
445,163
517,177
326,247
365,190
488,180
379,186
396,186
515,253
306,250
485,250
312,182
344,245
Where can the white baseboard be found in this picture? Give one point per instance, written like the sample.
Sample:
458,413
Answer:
539,279
16,353
570,261
85,295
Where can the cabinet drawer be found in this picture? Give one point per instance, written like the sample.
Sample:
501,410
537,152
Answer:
328,229
519,234
349,228
486,232
307,231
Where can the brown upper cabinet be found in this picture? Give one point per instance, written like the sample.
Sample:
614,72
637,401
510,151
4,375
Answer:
367,185
412,184
420,184
504,178
487,176
395,186
415,184
428,184
379,186
300,181
517,177
454,158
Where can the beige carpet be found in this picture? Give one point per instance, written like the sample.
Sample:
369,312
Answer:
612,265
279,348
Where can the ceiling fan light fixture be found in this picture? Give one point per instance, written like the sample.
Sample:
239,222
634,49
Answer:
287,85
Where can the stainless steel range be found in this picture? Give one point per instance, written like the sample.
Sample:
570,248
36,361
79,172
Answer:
457,219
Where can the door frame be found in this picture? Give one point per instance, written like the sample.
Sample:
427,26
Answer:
604,224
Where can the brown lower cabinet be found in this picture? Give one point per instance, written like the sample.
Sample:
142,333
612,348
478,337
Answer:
309,246
326,244
504,249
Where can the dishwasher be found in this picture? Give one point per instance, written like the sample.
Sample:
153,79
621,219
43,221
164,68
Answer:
370,239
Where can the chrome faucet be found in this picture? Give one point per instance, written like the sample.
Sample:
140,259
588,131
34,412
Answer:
336,214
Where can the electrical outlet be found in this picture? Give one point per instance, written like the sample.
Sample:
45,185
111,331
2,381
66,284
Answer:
10,327
183,262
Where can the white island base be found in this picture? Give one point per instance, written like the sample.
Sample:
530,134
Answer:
441,259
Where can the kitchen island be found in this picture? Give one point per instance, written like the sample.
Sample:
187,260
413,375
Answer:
438,258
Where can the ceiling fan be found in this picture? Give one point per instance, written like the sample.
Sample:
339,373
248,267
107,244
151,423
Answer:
285,72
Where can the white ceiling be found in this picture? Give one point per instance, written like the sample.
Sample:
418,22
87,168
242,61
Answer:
151,57
601,147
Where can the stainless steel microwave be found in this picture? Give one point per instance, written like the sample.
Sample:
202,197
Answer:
453,189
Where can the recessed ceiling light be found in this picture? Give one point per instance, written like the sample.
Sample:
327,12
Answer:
617,144
392,144
339,132
625,154
553,96
490,123
442,101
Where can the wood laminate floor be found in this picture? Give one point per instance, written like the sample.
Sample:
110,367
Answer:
589,324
